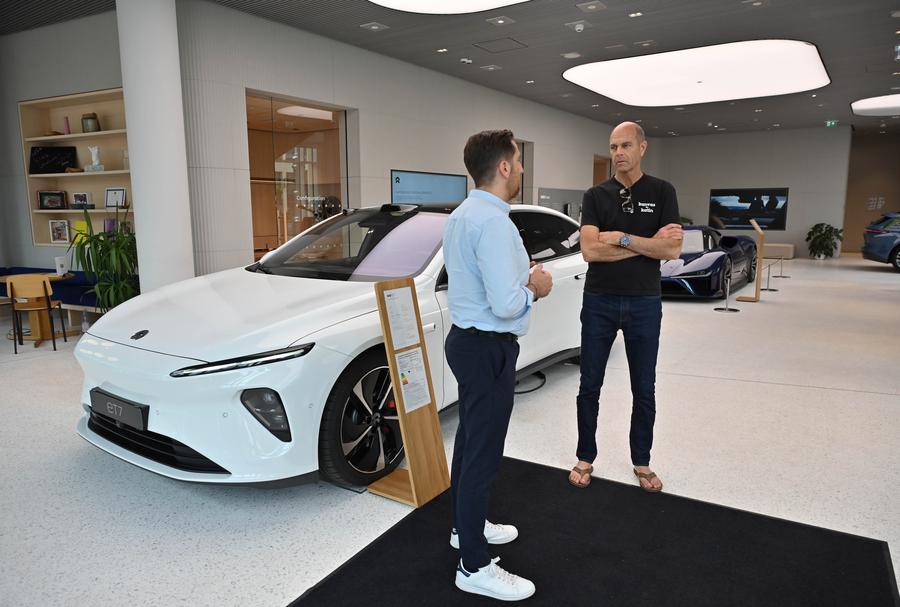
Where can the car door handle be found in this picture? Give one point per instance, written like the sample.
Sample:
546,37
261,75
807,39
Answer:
429,328
580,276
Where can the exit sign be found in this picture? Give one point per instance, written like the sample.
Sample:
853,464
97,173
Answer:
831,123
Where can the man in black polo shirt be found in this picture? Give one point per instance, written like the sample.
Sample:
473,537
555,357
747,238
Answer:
628,224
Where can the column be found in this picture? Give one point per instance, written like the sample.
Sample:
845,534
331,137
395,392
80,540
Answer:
154,115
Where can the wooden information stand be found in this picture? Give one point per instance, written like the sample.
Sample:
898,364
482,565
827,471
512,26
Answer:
427,476
760,245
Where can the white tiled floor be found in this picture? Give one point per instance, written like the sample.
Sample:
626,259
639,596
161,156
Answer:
789,408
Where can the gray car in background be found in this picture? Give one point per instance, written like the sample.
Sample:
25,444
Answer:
882,240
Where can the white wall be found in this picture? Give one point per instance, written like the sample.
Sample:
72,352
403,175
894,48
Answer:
408,118
812,163
60,59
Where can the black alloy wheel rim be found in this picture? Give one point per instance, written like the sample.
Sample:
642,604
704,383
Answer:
752,272
370,428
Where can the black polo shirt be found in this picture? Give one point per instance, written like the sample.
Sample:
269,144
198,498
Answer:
655,205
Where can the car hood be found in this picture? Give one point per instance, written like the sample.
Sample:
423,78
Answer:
233,313
689,263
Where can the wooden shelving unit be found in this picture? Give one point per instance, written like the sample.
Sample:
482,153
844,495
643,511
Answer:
38,119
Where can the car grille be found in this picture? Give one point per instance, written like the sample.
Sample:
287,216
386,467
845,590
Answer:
151,445
673,287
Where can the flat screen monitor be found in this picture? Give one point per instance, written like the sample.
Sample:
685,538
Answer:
427,188
733,209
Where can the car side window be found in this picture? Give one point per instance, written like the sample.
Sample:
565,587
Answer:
442,280
547,236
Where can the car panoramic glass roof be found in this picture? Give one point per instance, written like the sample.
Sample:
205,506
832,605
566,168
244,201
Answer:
362,245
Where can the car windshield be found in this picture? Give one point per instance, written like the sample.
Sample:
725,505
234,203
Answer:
363,245
692,243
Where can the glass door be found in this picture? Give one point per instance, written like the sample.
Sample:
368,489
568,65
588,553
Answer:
297,167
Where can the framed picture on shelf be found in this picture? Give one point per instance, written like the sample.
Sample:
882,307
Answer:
115,197
59,231
51,200
82,200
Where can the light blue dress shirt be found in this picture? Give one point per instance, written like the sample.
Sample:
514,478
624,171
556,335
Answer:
487,267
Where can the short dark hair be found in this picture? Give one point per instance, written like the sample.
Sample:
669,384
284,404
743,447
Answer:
484,151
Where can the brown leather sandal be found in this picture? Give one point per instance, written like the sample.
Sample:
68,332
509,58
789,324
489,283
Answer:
581,473
649,476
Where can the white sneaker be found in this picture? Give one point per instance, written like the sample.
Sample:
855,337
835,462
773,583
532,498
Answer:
494,534
494,581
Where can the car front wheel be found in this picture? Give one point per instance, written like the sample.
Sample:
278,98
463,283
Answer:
895,258
359,438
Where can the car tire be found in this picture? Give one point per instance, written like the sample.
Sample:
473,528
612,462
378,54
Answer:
895,258
751,274
359,437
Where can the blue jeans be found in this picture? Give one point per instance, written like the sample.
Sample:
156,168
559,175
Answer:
639,318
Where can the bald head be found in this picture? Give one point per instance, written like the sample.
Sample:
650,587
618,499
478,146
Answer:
627,145
629,130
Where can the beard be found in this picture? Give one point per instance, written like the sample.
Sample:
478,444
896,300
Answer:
514,187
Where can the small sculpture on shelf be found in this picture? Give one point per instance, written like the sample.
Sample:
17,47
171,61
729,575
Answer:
95,159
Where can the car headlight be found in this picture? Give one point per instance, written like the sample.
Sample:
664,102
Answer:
253,360
700,274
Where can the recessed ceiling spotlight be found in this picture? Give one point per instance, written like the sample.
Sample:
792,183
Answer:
813,95
731,71
441,50
614,46
445,7
465,60
756,3
571,55
678,109
882,132
777,124
645,43
529,82
565,95
374,26
886,105
757,110
821,105
590,7
501,20
595,105
637,14
638,121
491,68
578,26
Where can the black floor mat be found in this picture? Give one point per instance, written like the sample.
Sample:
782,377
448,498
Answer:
613,544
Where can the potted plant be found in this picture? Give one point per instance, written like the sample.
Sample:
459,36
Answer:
109,260
823,239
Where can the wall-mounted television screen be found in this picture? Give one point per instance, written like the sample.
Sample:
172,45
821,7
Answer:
428,188
734,208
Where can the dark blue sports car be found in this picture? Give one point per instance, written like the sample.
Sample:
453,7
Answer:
707,261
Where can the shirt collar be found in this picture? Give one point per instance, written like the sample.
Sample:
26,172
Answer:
488,197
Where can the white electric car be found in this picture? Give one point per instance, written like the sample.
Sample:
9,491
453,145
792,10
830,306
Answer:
276,371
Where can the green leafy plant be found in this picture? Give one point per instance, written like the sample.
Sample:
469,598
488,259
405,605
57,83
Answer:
823,239
109,260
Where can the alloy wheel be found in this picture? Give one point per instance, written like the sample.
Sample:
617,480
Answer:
370,428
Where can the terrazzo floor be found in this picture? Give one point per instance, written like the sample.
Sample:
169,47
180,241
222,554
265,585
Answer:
790,408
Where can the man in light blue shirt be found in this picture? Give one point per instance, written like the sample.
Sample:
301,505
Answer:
490,294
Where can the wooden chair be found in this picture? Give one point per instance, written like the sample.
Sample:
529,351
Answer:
36,289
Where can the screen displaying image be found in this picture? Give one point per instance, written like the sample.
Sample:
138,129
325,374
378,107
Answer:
733,209
427,188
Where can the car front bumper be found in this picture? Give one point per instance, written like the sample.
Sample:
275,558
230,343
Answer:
197,428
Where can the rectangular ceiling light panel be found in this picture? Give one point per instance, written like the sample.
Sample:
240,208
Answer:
723,72
445,7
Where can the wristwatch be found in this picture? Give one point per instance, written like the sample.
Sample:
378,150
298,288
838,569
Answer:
624,241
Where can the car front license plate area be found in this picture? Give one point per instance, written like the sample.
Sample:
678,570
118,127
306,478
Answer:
122,411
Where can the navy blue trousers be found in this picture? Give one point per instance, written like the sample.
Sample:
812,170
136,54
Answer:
639,318
485,369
